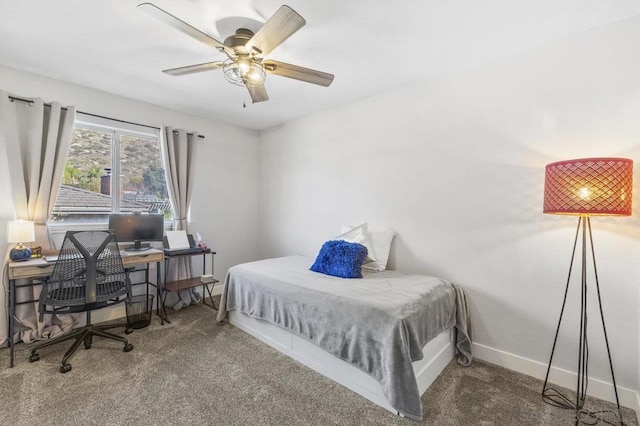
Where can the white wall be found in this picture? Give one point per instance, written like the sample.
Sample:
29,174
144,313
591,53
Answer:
224,207
456,167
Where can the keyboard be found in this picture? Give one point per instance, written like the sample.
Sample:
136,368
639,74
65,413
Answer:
180,252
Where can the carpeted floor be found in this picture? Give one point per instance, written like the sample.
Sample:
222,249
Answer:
195,372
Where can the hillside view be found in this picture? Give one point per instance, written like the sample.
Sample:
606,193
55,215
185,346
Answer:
90,157
89,167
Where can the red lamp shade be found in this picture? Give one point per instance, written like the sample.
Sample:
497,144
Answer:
589,186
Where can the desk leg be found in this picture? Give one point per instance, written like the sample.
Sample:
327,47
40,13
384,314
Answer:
12,314
205,287
165,317
158,278
160,309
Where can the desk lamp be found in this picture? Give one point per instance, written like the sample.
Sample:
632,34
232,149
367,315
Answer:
584,188
20,231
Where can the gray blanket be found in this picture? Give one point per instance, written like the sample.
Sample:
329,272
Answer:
379,323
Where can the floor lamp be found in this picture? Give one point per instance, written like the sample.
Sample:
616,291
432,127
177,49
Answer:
584,188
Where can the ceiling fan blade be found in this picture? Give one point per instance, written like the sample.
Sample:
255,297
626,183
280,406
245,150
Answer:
164,16
277,29
190,69
258,93
299,73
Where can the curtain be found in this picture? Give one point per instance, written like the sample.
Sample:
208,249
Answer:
179,156
37,138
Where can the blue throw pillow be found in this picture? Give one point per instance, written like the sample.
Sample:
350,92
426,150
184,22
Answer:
340,259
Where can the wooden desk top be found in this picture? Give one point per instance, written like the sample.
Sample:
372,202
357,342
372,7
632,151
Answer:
35,268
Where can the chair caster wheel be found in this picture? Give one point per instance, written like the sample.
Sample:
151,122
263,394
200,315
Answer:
87,342
34,357
128,330
65,368
128,347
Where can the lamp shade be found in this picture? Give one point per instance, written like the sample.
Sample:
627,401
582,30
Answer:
20,231
589,186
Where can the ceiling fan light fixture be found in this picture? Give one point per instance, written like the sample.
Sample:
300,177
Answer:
246,50
243,72
256,76
244,64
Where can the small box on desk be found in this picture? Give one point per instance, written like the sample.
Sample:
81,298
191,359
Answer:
207,279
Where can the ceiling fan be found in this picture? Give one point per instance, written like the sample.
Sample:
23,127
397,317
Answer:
246,64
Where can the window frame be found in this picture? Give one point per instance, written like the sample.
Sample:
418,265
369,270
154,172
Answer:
116,129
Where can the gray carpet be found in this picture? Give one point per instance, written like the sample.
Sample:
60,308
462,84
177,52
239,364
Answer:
195,372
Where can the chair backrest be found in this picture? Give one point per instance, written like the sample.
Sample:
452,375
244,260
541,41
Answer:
88,273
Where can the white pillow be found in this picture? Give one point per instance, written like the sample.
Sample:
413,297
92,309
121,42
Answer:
381,245
359,234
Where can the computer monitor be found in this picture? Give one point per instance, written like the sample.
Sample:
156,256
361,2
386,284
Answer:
137,228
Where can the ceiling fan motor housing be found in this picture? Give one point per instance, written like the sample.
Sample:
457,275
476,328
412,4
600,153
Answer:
238,41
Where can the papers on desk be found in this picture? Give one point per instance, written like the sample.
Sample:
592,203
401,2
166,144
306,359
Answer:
37,262
177,240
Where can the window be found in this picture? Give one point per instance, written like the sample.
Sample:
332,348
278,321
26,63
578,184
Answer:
104,161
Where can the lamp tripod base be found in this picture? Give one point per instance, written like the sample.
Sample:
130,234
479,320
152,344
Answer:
554,396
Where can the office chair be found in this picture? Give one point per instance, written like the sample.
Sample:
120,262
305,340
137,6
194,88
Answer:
88,275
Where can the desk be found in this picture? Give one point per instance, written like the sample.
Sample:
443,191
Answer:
39,268
187,283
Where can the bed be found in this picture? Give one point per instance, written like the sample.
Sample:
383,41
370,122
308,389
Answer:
386,336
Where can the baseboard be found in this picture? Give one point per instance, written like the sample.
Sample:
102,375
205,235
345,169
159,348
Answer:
638,405
597,388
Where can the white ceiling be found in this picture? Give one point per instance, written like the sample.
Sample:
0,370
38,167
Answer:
371,47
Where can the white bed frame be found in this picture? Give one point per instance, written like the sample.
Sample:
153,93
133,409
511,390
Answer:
437,354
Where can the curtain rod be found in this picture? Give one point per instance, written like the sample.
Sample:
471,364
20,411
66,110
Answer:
30,102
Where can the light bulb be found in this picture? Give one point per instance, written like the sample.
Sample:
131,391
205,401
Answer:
244,65
584,193
255,76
